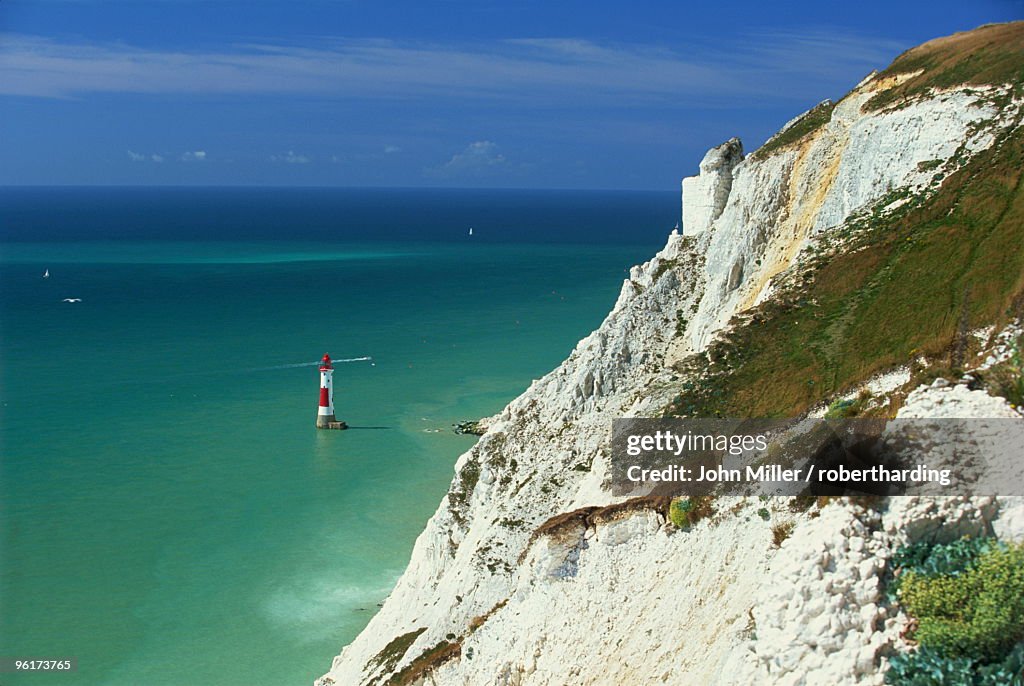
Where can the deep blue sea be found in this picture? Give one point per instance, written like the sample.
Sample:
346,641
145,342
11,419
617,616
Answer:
169,515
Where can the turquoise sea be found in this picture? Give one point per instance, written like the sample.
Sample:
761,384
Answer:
169,515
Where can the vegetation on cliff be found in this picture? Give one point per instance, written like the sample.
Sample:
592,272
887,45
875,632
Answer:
808,123
989,55
892,286
967,608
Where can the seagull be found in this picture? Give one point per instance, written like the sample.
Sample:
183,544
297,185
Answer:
72,300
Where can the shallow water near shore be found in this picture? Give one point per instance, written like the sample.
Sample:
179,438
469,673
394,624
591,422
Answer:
169,513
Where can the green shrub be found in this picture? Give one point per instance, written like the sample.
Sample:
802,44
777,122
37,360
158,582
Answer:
930,559
976,614
927,667
684,512
949,559
967,600
843,409
764,514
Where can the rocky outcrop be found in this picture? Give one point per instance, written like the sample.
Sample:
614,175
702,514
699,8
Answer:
705,195
626,598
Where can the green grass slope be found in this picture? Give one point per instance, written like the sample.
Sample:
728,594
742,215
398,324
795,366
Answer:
989,55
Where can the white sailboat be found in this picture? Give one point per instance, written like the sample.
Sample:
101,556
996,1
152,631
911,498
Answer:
46,274
471,231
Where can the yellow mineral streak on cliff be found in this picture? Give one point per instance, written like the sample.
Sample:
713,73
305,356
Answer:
812,174
882,84
803,206
803,209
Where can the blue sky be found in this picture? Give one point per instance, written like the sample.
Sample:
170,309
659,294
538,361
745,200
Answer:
519,93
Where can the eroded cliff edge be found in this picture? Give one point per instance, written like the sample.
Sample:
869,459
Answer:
500,589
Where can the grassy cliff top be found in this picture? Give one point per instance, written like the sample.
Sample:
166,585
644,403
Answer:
988,55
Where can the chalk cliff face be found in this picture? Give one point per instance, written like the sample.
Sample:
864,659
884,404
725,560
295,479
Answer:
705,195
496,592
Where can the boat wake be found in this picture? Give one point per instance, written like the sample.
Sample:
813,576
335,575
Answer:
275,367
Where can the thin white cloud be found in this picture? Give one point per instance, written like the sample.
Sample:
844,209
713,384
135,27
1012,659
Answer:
552,70
476,157
391,149
139,157
193,156
291,157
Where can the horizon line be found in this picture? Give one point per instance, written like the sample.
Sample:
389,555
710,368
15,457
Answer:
18,186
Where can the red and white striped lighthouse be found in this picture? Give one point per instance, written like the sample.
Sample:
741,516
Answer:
325,413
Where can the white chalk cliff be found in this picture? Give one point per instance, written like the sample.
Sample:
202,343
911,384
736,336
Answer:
617,596
705,195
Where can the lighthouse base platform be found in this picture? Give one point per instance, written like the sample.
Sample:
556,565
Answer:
329,422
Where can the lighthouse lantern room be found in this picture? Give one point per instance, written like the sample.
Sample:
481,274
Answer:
325,413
